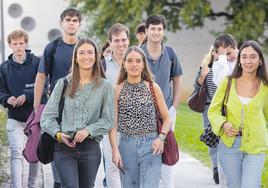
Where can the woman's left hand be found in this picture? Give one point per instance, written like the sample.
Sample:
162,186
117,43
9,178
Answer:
81,135
158,146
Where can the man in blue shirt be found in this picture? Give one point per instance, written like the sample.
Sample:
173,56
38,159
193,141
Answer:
166,69
57,59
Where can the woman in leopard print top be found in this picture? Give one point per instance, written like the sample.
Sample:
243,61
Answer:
138,155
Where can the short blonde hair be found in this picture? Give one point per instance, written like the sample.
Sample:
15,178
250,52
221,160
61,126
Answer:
16,34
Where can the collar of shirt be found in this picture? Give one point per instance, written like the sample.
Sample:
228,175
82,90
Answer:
110,59
144,47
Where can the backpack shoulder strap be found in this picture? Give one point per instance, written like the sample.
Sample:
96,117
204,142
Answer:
55,45
171,55
103,64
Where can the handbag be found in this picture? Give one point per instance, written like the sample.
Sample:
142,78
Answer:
197,100
208,136
170,155
46,143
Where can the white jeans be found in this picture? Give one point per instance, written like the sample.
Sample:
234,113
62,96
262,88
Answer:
167,172
16,140
111,171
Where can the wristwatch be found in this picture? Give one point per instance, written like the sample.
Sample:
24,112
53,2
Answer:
162,136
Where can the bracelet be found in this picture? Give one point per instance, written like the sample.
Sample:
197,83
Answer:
162,136
58,137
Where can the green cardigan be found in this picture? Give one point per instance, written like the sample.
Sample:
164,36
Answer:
92,108
255,131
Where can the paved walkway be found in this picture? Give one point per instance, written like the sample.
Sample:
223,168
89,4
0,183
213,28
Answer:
189,173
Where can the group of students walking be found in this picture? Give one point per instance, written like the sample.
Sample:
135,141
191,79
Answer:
110,100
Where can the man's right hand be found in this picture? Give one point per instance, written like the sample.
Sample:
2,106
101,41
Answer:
11,100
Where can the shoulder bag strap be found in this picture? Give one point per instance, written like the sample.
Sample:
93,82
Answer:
62,100
154,98
227,91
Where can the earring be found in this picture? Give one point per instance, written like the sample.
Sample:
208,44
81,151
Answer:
239,64
260,63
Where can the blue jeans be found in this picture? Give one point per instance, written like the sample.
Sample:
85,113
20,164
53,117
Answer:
142,168
242,170
77,167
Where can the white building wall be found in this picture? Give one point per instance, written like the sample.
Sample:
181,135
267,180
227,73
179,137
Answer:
46,14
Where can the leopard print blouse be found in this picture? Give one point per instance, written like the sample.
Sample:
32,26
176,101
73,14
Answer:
136,110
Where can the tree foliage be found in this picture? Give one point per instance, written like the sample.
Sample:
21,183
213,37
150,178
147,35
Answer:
245,19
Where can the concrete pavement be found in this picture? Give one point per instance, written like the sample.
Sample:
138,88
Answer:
189,173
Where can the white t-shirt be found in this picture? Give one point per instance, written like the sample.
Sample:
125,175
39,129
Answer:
222,68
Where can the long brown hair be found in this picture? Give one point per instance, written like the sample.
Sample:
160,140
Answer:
146,73
261,71
96,72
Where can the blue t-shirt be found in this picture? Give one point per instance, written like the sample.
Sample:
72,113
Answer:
161,69
56,65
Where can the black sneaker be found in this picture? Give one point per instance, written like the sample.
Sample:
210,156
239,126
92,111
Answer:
56,185
216,175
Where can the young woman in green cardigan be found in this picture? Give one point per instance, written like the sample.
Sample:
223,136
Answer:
243,131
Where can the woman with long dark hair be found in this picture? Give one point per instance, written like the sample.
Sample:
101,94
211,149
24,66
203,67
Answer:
88,114
243,131
138,155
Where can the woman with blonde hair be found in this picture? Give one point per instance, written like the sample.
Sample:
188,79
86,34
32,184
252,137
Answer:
88,114
205,76
138,155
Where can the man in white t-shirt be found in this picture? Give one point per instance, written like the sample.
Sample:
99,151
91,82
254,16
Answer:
119,37
226,49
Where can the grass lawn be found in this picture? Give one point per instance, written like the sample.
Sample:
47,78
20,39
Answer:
188,129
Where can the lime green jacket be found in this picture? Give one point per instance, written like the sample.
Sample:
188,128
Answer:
255,129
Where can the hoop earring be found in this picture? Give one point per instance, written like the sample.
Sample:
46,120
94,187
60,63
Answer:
239,64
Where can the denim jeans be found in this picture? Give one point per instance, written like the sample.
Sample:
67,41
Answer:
142,168
77,167
17,140
242,170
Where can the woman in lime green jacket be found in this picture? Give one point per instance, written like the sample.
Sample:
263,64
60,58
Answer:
243,131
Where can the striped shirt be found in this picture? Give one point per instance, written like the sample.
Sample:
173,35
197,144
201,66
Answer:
211,87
